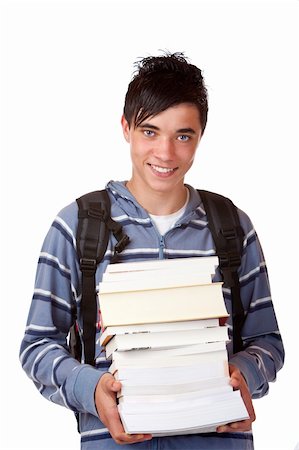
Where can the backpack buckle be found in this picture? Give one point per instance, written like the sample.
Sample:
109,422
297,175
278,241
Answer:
122,243
229,233
88,265
229,260
95,213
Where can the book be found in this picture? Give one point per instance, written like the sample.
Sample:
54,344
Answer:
163,332
168,361
198,415
165,272
176,373
140,281
165,339
220,386
129,387
171,273
109,332
162,305
198,264
180,404
155,354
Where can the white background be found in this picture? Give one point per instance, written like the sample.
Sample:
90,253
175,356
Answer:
65,66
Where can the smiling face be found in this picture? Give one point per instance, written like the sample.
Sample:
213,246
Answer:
162,151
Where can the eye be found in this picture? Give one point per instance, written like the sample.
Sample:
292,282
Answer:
148,133
183,138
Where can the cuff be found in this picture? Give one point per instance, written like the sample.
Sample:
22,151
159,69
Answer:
84,388
243,361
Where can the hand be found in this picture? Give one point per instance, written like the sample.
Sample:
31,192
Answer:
105,401
237,381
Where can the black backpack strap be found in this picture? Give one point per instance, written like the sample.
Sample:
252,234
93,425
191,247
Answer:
228,237
94,225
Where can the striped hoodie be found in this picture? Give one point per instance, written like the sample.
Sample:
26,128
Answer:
57,296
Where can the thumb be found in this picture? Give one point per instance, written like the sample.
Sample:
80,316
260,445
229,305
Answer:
110,384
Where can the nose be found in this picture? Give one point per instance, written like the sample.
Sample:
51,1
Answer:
165,149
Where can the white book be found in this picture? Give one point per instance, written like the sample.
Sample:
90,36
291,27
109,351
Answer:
222,387
130,388
136,356
109,332
181,405
157,280
170,361
173,375
167,273
165,339
209,412
200,264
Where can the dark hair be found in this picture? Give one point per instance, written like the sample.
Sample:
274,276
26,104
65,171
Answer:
161,82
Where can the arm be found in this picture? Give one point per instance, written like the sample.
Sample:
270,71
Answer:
252,369
263,353
44,352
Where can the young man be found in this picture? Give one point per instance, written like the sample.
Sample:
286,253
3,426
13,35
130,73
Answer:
165,115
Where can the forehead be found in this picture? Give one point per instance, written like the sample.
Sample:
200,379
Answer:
184,115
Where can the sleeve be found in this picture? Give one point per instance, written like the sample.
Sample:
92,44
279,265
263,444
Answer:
44,352
263,354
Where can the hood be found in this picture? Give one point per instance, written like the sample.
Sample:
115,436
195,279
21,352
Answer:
127,203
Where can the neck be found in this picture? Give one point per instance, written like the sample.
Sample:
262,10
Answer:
160,203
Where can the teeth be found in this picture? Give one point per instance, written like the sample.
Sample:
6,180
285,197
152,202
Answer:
162,169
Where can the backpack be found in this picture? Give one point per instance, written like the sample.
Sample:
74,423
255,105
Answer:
94,225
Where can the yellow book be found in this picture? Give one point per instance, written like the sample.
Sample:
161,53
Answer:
162,305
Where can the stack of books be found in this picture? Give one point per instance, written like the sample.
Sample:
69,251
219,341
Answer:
163,328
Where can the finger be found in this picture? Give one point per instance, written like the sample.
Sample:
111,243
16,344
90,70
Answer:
242,425
116,386
109,383
235,382
250,410
121,437
124,438
118,433
236,379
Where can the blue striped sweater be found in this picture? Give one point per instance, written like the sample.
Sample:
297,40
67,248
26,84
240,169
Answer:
61,379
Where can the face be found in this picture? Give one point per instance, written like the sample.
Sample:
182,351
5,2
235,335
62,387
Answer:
163,149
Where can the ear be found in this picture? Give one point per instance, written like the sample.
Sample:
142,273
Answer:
126,128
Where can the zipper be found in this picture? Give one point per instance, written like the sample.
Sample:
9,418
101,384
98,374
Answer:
161,247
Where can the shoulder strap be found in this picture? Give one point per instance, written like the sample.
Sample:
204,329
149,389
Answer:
228,237
94,224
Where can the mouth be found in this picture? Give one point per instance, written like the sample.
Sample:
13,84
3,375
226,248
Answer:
163,170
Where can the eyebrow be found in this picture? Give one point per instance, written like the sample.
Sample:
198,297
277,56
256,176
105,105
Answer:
153,127
186,130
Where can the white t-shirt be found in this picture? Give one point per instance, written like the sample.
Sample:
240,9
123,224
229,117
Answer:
165,223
